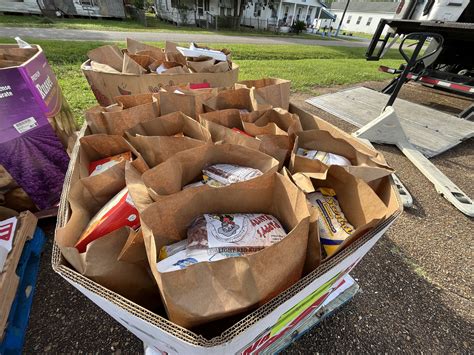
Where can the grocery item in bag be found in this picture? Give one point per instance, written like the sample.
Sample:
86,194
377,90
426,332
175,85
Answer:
325,158
234,232
228,174
334,228
99,166
117,213
169,250
183,259
219,175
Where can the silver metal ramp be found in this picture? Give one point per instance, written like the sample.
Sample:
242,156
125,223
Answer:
431,132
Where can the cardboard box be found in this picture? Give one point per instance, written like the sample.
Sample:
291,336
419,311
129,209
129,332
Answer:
36,124
9,280
250,332
107,85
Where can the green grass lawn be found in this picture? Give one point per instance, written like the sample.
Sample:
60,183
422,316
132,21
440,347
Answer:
153,25
306,66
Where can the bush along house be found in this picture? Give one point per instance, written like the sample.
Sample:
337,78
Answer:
255,14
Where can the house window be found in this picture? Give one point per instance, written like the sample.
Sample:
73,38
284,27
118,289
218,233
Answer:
349,18
358,20
206,5
369,21
256,10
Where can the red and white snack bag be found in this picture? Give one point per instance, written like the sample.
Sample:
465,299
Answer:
237,232
117,213
99,166
219,175
228,174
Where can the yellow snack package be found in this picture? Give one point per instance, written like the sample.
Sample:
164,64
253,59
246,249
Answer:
334,228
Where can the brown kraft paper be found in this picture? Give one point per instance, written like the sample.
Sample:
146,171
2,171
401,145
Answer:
155,139
220,124
274,91
242,99
189,102
231,286
128,112
132,66
186,167
109,55
359,203
365,166
99,262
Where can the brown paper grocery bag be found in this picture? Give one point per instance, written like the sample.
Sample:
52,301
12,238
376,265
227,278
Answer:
276,121
189,102
242,99
128,112
221,123
134,46
156,139
134,249
274,91
235,284
359,203
217,68
103,68
198,65
109,55
99,146
365,164
99,262
131,66
186,167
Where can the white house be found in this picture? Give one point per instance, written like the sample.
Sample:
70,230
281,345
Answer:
258,14
363,16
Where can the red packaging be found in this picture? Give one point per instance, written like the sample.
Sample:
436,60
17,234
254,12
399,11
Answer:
199,86
117,213
98,166
236,130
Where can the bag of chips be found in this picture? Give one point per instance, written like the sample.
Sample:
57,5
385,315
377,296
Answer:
117,213
99,166
325,158
334,228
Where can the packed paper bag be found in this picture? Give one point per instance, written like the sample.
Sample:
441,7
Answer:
361,208
230,125
99,261
134,249
274,91
170,177
312,122
129,111
187,101
230,286
362,163
243,99
109,55
162,137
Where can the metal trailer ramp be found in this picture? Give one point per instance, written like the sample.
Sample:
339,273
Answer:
431,132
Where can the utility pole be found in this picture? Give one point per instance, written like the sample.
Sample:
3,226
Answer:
342,18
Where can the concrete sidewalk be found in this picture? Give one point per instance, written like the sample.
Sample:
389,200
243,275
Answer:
88,35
